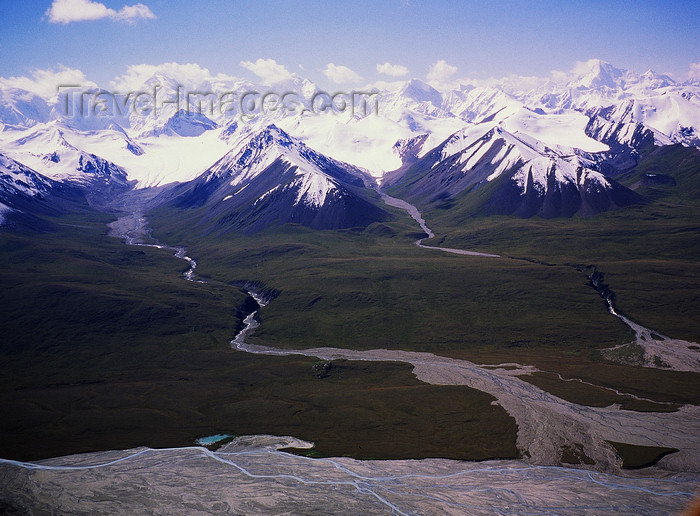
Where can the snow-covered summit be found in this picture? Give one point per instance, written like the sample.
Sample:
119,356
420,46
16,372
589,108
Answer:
490,148
22,109
271,178
46,149
169,144
258,151
18,178
488,169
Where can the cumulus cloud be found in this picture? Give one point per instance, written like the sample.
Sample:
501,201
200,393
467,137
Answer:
269,70
441,71
694,71
394,70
45,83
582,68
340,74
68,11
559,76
187,74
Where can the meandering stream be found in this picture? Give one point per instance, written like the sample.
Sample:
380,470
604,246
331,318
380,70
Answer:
251,475
416,215
547,425
658,350
133,229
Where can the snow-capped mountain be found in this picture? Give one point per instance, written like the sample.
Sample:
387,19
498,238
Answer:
273,179
46,149
22,109
19,180
564,131
509,173
668,108
414,96
481,104
147,161
556,112
25,195
631,121
183,124
616,129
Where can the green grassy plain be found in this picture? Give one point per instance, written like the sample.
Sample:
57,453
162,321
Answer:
105,346
375,289
649,256
637,457
363,291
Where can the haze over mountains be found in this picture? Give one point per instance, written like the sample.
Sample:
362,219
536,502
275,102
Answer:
553,150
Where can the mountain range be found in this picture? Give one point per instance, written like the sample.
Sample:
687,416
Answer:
558,149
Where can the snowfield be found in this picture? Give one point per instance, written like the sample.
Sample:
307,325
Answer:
165,146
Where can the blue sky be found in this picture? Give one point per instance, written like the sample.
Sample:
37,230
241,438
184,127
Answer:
481,39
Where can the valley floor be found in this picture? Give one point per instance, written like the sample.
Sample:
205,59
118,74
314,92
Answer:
549,427
251,476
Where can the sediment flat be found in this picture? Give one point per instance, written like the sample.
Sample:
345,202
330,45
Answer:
251,476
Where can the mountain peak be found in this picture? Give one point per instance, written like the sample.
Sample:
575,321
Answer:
275,134
255,152
420,91
596,73
654,80
514,174
48,137
271,178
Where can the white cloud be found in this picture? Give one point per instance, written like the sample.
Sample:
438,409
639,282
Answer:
67,11
188,75
269,70
441,71
340,74
394,70
559,77
582,68
134,12
694,71
45,83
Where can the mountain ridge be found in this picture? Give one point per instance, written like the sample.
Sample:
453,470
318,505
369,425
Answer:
550,150
274,179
